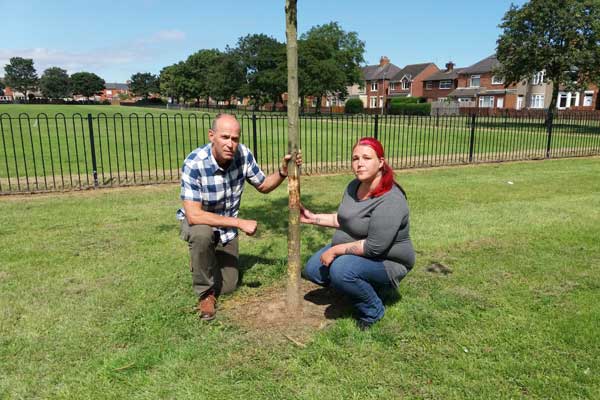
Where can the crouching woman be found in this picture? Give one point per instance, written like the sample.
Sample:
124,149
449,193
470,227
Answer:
371,250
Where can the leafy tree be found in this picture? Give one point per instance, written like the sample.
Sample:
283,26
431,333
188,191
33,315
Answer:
174,81
197,72
264,63
560,37
55,83
225,76
143,84
86,84
2,88
20,75
329,60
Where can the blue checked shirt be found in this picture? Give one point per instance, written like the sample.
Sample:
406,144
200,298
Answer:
219,191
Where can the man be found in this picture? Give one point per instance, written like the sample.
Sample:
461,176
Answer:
212,182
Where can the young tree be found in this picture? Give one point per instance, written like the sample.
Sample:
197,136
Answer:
20,75
559,37
294,266
55,83
263,59
86,84
143,84
329,61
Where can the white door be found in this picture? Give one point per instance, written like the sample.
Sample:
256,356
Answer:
500,102
519,102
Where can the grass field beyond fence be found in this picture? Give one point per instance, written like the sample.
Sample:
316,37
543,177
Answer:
44,148
95,296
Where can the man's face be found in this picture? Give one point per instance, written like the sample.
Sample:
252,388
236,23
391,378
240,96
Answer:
225,139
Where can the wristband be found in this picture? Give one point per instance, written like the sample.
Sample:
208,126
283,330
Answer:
280,174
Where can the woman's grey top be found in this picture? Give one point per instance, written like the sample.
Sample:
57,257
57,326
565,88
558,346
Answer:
384,225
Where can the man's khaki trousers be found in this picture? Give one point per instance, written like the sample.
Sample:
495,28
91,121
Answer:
214,266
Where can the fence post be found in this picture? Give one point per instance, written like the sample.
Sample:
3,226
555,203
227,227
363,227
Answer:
376,130
472,140
254,140
549,121
93,149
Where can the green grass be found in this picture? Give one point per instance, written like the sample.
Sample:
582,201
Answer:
51,148
95,293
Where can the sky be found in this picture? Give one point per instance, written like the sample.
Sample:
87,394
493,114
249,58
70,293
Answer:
116,39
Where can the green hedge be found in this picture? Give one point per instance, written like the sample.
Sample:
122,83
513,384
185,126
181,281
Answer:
410,108
353,106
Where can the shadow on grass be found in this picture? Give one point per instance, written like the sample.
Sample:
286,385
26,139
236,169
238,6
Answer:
339,305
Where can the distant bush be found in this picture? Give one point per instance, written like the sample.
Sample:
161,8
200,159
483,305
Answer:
353,106
153,101
410,108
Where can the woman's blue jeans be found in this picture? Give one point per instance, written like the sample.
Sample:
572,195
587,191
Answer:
358,277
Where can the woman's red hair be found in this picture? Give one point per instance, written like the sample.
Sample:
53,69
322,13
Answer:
387,174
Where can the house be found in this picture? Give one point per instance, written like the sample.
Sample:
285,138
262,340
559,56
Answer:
113,90
537,93
377,80
477,83
437,86
408,82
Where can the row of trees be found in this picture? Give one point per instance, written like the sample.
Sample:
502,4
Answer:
55,83
329,61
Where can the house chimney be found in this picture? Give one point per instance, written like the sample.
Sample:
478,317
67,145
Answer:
383,60
449,66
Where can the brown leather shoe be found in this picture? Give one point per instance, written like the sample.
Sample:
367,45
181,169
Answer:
207,307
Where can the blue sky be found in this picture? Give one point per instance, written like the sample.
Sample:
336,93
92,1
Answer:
116,39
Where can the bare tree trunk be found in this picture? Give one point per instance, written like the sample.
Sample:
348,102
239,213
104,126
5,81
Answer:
293,283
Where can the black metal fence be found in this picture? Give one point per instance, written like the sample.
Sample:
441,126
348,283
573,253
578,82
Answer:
50,153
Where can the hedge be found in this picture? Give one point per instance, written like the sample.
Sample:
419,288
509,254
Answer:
353,106
410,108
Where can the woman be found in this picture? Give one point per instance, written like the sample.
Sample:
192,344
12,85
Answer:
371,249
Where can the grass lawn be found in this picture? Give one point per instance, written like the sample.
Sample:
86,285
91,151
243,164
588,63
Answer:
95,295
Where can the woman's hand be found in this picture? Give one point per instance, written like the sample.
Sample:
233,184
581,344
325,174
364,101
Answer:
328,256
306,216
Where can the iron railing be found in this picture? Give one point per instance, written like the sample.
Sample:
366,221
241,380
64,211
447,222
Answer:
50,153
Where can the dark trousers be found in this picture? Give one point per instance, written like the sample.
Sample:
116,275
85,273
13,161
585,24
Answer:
213,266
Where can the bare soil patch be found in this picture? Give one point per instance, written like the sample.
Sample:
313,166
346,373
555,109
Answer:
266,313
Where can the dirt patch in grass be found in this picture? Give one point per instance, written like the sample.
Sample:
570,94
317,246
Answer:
266,313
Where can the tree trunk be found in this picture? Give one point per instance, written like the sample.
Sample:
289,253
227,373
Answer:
293,283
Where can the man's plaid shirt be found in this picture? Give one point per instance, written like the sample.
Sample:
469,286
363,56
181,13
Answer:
219,191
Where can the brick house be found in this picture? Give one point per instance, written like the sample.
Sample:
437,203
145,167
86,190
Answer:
113,90
437,86
408,82
377,80
478,84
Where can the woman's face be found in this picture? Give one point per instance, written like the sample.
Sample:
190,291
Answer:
365,163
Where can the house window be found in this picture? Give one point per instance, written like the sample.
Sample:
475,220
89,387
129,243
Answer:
497,80
567,100
374,86
405,84
392,85
588,98
446,84
537,101
486,102
538,78
465,99
442,99
474,81
373,102
380,101
428,85
108,92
